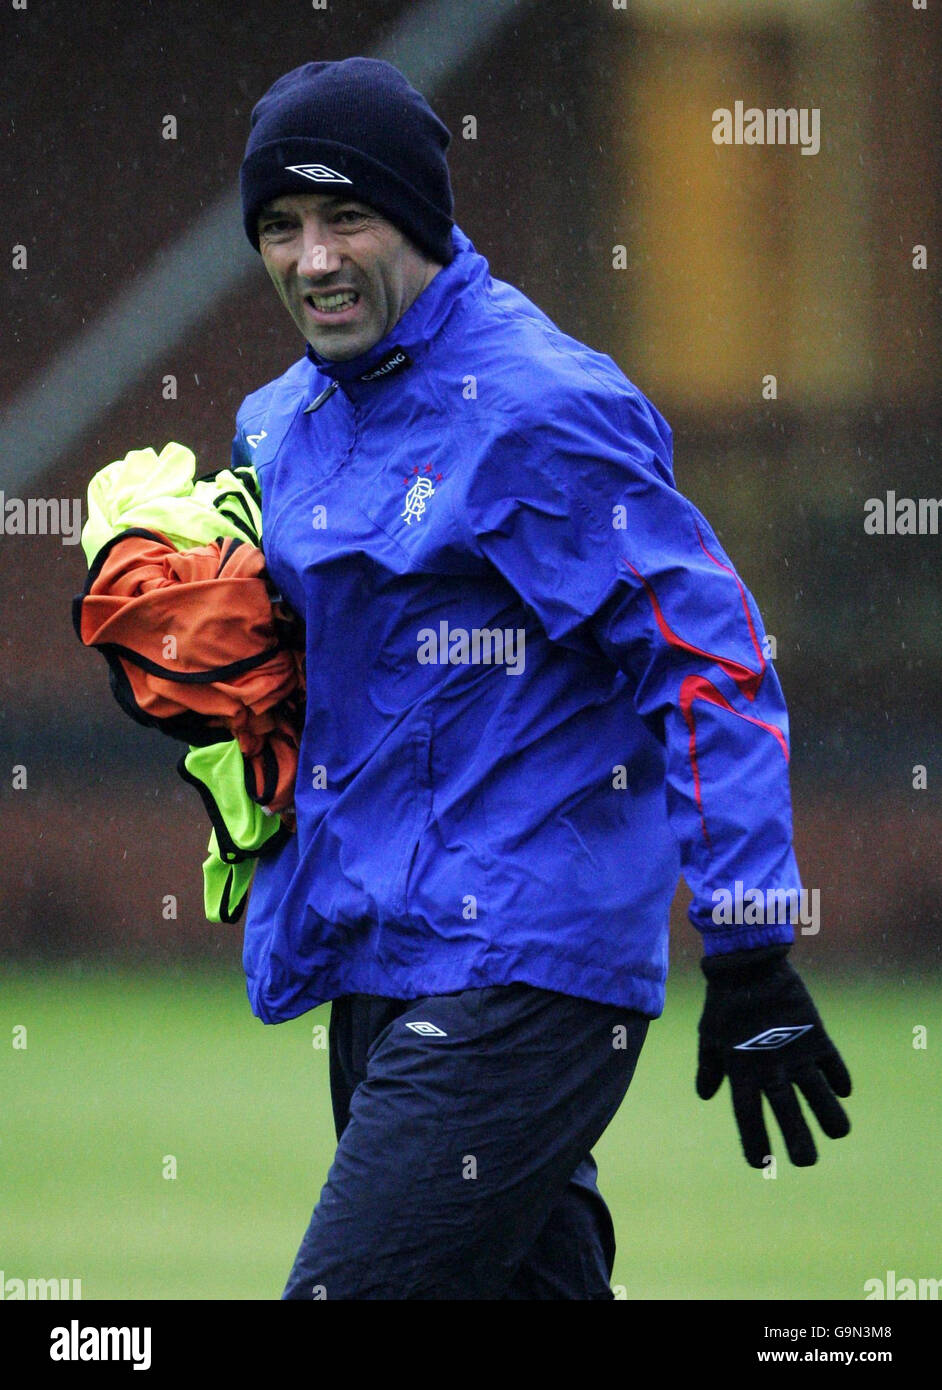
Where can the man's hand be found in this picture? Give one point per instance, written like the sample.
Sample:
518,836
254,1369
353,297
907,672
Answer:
760,1027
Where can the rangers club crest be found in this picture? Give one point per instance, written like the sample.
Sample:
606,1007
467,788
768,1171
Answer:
419,493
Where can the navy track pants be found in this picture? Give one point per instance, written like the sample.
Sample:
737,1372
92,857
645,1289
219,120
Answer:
463,1168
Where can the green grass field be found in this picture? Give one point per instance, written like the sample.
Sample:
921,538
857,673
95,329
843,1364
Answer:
122,1070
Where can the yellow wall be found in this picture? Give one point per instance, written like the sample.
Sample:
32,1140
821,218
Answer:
747,260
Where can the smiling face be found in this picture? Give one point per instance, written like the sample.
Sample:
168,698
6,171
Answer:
344,273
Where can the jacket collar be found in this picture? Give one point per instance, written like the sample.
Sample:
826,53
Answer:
413,334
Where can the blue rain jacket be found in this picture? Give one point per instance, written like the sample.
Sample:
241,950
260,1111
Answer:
536,688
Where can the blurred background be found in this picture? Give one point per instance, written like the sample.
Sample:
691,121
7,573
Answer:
136,314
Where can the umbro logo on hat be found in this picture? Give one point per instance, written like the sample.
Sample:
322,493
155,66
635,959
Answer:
318,172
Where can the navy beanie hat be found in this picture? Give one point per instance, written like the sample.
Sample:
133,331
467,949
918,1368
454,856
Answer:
357,126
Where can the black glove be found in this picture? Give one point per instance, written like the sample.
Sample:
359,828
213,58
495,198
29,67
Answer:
760,1027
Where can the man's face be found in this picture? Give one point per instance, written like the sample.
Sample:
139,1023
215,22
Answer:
345,274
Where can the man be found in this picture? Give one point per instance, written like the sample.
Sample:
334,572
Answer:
535,691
